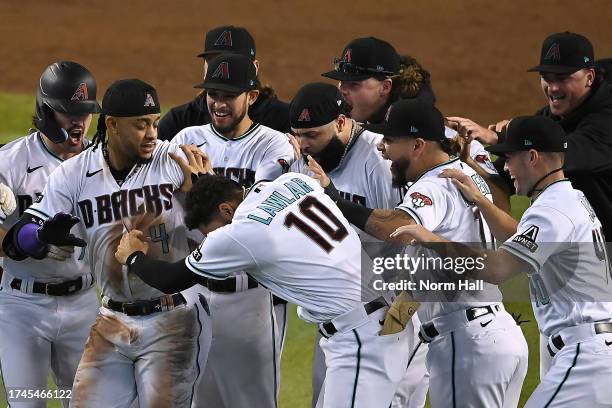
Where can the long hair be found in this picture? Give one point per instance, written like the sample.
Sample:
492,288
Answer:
99,137
410,80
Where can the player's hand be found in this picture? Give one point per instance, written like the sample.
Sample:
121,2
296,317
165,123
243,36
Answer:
131,242
467,127
462,144
56,231
8,204
318,173
500,126
415,234
199,163
60,253
297,150
464,183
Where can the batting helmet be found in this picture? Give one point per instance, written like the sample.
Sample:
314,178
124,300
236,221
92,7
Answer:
65,87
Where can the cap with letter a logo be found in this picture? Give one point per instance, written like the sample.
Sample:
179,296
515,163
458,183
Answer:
565,53
228,39
364,58
233,73
130,97
315,104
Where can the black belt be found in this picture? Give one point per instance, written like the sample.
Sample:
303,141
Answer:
52,289
370,308
472,313
225,285
146,307
557,341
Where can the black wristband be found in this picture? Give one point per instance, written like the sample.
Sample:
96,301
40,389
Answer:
356,214
332,192
133,260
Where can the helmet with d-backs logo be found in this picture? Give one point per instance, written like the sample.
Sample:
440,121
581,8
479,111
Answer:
65,87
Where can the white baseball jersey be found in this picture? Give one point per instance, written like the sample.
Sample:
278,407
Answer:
84,186
560,237
25,166
260,153
292,238
439,206
477,152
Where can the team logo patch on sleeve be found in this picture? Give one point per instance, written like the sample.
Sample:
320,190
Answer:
527,239
284,165
481,184
420,200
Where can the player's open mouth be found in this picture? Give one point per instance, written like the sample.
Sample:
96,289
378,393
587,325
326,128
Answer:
75,136
221,114
556,98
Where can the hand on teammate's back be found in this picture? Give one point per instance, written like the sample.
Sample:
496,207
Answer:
8,203
467,127
131,242
199,163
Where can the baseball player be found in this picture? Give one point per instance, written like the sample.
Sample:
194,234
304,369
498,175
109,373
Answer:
466,330
348,154
144,344
46,306
289,236
246,354
267,110
559,243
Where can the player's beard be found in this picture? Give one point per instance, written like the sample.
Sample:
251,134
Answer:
330,156
232,125
398,172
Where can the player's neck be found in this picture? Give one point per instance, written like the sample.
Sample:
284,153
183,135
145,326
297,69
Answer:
58,149
117,160
239,130
545,180
432,160
347,131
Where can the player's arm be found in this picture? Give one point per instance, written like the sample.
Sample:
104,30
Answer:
379,223
197,163
501,223
493,266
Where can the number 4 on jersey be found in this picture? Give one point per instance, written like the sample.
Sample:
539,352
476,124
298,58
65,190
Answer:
160,237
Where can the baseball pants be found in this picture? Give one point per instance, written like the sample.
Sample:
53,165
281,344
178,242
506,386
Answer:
580,376
480,364
42,334
153,360
363,367
243,365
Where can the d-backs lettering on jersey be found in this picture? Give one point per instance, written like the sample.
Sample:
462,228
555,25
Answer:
293,239
260,153
439,206
560,237
85,187
25,166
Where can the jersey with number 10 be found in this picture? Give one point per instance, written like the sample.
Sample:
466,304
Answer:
84,187
293,239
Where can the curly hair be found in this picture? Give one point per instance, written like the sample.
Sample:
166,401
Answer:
202,201
407,83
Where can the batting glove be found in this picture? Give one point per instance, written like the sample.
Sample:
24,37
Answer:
56,232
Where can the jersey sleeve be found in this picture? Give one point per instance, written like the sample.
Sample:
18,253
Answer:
541,232
426,203
276,160
381,193
219,255
58,196
482,157
173,168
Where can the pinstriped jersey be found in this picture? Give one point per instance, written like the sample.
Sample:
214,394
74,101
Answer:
84,187
439,206
260,153
560,237
291,237
25,166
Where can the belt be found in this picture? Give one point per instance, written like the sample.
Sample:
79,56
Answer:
428,330
53,289
558,343
328,329
145,307
229,285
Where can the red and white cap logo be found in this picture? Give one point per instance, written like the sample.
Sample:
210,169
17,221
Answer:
81,93
304,116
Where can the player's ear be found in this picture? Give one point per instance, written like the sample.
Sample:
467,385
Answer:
340,123
111,123
226,211
386,85
252,96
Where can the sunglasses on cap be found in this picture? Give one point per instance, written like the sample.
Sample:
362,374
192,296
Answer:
342,66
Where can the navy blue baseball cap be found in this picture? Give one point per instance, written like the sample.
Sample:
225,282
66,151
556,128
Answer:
364,58
230,73
229,39
531,132
565,53
411,118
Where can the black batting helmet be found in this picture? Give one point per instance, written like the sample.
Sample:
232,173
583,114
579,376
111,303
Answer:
65,87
